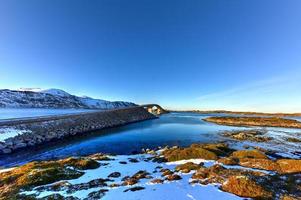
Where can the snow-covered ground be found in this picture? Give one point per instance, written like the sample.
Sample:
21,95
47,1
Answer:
278,143
6,133
10,113
180,189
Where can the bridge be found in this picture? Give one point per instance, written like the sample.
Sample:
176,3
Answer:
154,109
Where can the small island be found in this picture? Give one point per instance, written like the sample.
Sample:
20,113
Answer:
255,121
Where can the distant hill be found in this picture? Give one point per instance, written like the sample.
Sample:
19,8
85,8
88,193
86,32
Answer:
53,98
246,113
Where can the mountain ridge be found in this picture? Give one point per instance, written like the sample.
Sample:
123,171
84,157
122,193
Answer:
54,98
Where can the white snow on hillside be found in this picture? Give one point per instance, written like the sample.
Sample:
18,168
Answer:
56,92
53,98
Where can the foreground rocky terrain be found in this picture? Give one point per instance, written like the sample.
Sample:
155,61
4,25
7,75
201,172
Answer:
199,171
54,98
255,121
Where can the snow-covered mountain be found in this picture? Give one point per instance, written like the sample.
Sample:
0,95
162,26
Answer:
53,98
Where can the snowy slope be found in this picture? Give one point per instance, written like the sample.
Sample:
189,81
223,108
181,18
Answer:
53,98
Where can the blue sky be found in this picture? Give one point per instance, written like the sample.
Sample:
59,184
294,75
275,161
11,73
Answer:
196,54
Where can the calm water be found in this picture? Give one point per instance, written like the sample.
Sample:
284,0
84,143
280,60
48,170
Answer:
180,129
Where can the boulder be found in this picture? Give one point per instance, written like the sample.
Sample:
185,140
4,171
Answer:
259,163
249,154
289,165
245,187
187,167
157,181
114,175
173,177
193,152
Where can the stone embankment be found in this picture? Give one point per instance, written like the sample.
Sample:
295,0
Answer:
42,130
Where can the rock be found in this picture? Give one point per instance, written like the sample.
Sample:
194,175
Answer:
62,185
295,140
245,187
259,163
96,195
85,186
133,189
248,154
201,173
192,152
141,174
159,159
220,174
81,163
20,145
157,181
289,165
152,152
229,161
6,150
100,157
123,162
220,149
166,172
2,145
187,167
115,175
130,181
56,197
173,177
133,160
114,185
125,178
250,135
289,197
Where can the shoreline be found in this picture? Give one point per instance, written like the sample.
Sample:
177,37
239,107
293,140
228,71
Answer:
37,131
214,168
262,114
255,121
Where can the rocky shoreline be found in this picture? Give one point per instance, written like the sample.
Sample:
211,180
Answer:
245,173
36,132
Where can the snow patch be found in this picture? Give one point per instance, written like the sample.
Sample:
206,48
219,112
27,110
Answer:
180,189
6,133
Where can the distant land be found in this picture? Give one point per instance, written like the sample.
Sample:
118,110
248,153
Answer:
255,121
54,98
244,113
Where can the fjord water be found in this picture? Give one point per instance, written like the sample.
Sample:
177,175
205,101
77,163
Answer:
181,129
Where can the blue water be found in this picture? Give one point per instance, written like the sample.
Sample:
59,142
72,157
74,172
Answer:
181,129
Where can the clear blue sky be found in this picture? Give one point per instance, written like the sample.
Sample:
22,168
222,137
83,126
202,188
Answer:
213,54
